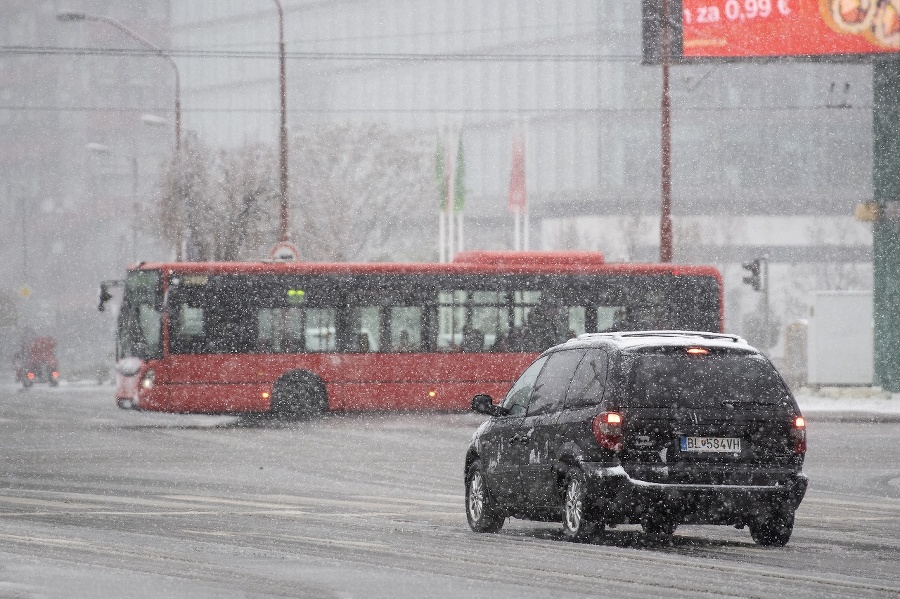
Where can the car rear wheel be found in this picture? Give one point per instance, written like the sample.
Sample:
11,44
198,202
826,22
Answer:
659,527
772,531
577,524
482,511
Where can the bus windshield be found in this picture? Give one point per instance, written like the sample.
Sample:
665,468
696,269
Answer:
140,325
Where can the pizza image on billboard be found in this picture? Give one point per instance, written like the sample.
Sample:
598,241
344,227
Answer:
877,20
761,29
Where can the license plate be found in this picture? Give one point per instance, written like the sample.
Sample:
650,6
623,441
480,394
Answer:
711,444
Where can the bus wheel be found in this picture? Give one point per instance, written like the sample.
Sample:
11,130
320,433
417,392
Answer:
299,395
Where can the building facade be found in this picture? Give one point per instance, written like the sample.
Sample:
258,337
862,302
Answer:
75,159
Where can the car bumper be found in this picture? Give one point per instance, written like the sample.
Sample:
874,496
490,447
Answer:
619,497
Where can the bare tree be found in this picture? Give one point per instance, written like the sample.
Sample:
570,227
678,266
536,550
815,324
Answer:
220,207
358,191
246,189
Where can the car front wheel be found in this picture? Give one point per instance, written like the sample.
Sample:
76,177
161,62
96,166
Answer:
482,511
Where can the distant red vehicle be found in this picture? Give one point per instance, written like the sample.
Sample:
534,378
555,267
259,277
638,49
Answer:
36,362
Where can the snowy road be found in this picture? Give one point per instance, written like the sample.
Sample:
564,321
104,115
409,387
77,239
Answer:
97,502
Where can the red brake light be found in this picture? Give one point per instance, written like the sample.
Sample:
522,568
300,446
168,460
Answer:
798,434
607,429
696,351
30,376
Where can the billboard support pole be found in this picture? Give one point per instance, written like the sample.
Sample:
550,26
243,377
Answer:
665,223
886,228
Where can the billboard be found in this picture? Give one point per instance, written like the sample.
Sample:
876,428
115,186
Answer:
773,29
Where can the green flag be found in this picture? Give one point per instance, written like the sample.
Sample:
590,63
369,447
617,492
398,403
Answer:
459,182
439,177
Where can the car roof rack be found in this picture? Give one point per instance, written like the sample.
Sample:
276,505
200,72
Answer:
665,333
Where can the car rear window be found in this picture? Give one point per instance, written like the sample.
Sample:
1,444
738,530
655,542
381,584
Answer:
673,378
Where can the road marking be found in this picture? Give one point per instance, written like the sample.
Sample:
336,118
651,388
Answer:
314,540
43,502
453,504
44,541
859,505
333,542
296,501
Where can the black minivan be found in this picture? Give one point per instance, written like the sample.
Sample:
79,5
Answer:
657,428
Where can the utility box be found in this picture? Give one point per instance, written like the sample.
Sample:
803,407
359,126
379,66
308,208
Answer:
840,338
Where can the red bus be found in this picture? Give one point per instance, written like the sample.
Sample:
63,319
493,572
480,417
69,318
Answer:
301,338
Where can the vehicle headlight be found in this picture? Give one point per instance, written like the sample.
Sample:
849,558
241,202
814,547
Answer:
147,379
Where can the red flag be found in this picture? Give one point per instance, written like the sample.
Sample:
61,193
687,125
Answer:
516,199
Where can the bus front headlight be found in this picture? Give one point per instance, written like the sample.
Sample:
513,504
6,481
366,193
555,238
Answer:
147,380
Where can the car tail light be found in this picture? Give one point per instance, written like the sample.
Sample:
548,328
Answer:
607,428
798,434
54,374
30,376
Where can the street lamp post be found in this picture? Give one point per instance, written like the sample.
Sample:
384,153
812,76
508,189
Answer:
283,179
69,17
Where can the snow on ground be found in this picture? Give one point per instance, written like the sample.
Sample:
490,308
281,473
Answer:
848,399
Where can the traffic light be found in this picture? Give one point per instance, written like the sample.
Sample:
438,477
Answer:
754,279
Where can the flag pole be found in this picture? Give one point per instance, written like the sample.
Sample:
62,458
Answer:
459,188
526,217
449,170
442,246
525,227
516,227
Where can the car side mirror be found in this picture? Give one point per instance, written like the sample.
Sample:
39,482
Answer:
484,404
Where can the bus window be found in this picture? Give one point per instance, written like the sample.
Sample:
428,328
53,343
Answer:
471,321
364,328
523,303
451,318
577,321
405,325
611,318
280,330
546,323
320,330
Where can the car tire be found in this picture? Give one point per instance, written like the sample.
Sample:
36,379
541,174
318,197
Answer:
298,395
773,529
577,523
482,511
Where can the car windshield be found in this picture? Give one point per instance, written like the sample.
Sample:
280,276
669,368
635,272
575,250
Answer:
677,379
